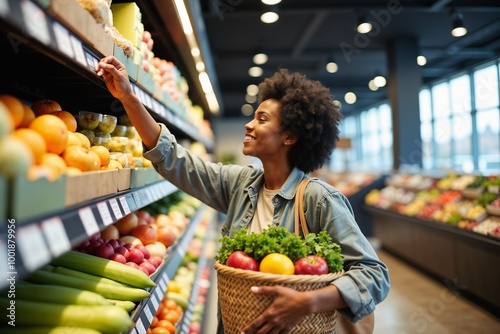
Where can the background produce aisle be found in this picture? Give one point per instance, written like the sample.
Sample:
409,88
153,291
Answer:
52,216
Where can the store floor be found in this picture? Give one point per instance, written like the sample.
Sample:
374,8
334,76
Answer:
416,304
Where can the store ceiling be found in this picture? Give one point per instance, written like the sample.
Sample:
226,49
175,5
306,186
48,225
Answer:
309,32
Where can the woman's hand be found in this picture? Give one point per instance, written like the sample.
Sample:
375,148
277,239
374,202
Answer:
115,76
288,308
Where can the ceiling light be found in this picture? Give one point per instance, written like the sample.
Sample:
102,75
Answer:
251,98
184,17
270,16
195,52
421,60
247,109
260,58
364,26
350,98
379,80
458,29
332,67
252,89
372,85
271,2
255,71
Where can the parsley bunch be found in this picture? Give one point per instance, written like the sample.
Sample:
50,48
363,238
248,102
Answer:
276,239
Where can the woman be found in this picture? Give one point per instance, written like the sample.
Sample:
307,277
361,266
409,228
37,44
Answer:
293,132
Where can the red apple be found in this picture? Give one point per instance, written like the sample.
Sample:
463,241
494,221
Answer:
146,233
239,259
311,265
118,258
136,256
148,266
105,251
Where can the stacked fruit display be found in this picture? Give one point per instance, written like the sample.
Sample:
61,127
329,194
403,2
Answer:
41,141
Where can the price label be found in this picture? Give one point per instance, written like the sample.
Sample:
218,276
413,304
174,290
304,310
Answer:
88,220
137,199
115,207
32,247
103,209
148,314
164,282
124,203
4,8
91,62
139,327
155,300
63,39
35,21
78,50
56,236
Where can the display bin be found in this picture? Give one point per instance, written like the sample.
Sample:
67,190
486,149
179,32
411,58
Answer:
124,178
145,80
30,199
143,176
90,185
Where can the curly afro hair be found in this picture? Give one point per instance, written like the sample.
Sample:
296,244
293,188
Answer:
309,112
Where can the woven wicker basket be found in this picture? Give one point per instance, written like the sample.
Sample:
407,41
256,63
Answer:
239,306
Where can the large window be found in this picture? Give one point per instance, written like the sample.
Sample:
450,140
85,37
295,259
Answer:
460,121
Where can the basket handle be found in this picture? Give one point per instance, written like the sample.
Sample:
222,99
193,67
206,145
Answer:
300,217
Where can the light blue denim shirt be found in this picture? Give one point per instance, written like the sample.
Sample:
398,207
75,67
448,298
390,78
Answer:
233,190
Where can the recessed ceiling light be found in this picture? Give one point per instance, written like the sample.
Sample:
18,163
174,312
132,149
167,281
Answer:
260,58
252,89
271,2
255,71
247,109
350,98
269,17
421,60
380,81
372,85
332,67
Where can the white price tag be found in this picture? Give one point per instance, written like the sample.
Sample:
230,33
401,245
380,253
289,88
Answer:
139,327
91,62
89,223
155,302
63,39
4,8
78,50
56,236
35,21
32,247
164,282
125,207
115,208
148,313
102,207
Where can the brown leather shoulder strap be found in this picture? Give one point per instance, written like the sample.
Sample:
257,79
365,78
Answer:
299,216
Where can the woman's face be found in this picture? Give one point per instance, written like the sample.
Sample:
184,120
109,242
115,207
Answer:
263,137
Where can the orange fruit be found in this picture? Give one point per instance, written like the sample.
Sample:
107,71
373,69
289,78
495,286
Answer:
53,130
55,163
83,139
160,330
103,154
172,316
81,158
15,108
45,106
73,171
36,172
67,118
34,141
6,122
28,116
167,325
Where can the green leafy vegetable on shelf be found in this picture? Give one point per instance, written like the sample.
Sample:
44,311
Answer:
276,239
486,198
478,182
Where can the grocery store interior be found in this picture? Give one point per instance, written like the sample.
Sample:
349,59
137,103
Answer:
418,156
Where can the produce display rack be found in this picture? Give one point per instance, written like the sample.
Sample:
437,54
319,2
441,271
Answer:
143,314
71,62
49,58
465,261
40,240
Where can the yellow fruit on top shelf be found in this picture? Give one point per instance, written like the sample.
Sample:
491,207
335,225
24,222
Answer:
73,171
81,158
55,163
103,153
67,118
6,123
34,141
15,108
73,140
36,172
53,130
15,156
83,139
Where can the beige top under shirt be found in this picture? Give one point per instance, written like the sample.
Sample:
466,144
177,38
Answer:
265,210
